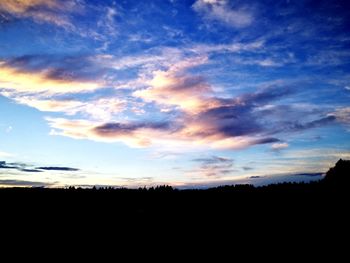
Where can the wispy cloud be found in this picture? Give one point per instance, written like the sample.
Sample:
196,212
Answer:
342,115
23,183
279,146
102,109
221,10
47,11
54,168
214,166
28,168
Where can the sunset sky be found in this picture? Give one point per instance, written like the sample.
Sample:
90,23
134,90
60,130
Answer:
186,93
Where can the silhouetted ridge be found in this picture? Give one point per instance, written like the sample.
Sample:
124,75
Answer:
339,175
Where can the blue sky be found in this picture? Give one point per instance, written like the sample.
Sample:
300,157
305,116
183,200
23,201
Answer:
187,93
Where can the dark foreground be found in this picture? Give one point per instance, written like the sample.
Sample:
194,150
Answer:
239,203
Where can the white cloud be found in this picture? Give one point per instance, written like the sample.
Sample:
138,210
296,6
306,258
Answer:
99,109
220,10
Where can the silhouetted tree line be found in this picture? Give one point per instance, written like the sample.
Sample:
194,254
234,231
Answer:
238,203
337,177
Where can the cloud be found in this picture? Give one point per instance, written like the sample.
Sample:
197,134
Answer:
190,112
109,21
342,115
22,6
175,88
164,135
42,81
234,47
279,146
309,174
23,167
19,79
4,165
98,109
213,160
221,11
199,118
21,183
30,170
47,11
134,134
53,168
312,124
214,166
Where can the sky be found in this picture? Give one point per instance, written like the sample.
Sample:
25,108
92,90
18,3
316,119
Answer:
191,94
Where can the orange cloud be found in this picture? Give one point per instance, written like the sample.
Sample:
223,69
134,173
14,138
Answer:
176,88
204,120
22,81
83,129
49,11
145,135
22,6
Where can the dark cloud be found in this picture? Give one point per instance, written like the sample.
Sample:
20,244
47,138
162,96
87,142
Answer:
254,115
240,116
30,170
255,177
247,168
18,183
231,120
266,95
266,140
115,128
309,174
22,167
68,169
4,165
313,124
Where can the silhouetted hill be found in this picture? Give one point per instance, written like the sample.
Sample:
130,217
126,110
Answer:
339,175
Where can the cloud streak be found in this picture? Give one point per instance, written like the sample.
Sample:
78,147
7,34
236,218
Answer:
23,183
42,11
214,166
23,167
221,11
